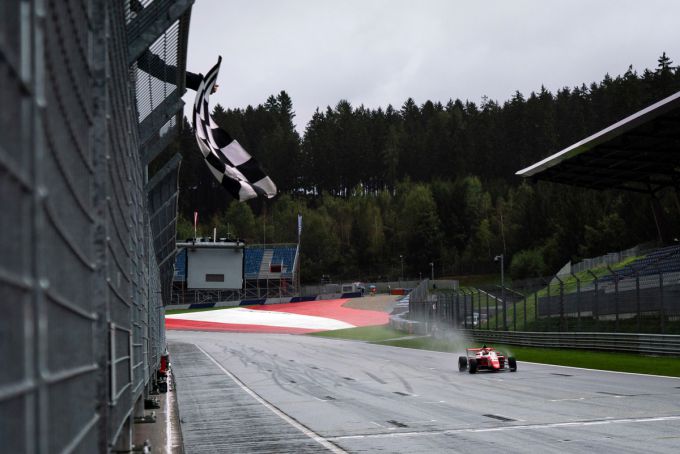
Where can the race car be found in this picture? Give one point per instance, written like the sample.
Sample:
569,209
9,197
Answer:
485,358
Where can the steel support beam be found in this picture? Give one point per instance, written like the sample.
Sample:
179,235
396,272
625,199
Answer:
163,112
159,176
151,150
156,18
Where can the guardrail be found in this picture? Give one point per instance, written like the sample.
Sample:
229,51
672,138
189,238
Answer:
645,344
648,344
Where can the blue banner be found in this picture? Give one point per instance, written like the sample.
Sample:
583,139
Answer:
181,266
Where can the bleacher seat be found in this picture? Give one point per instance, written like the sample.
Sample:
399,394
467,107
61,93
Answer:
664,260
284,255
280,255
253,260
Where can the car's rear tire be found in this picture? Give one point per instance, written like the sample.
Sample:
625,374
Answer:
462,363
473,366
512,363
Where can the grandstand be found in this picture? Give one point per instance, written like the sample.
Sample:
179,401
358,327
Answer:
268,271
638,154
253,261
663,260
271,271
657,268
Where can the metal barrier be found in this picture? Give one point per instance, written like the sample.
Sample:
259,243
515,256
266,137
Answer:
82,276
381,287
648,344
628,309
642,297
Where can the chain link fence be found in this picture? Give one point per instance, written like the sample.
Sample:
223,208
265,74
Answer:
641,296
82,276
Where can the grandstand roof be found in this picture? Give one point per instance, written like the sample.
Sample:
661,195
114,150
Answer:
209,244
639,153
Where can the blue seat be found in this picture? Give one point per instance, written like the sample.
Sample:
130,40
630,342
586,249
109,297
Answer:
285,256
253,259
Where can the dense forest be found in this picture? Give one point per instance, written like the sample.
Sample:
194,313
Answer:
432,182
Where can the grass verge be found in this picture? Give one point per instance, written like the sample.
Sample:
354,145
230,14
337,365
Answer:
620,362
363,333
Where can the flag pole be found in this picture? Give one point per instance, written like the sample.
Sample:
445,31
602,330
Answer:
299,257
195,222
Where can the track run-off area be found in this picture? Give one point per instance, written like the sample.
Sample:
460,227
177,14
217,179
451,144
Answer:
290,318
287,393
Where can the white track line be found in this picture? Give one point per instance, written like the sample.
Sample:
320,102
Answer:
602,370
311,434
510,428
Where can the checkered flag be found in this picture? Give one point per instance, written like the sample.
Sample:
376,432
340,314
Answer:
233,167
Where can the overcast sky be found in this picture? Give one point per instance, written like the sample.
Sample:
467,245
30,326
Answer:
380,52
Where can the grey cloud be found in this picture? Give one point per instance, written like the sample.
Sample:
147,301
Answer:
380,52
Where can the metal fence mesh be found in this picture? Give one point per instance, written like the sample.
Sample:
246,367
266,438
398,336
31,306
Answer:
80,276
641,296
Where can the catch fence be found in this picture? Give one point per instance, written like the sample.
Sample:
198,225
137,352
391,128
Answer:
85,248
641,298
380,286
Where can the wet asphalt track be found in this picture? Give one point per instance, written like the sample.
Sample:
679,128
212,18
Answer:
291,394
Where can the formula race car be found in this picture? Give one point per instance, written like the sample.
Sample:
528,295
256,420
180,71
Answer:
485,358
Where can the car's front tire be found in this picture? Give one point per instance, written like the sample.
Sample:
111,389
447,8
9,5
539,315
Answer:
473,366
512,363
462,363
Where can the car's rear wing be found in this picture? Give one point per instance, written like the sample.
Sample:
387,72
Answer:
472,351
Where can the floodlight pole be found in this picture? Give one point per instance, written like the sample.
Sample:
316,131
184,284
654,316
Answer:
432,268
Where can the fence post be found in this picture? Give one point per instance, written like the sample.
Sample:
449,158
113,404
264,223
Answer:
456,310
481,308
616,298
562,321
578,301
662,311
472,309
637,301
514,316
479,303
449,310
488,320
496,311
524,326
595,309
505,308
547,328
465,309
535,307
